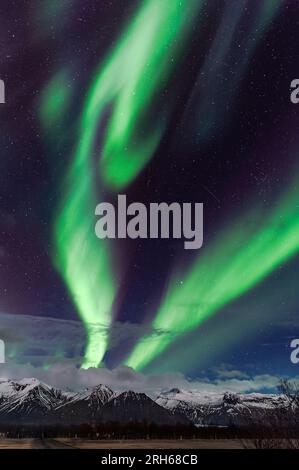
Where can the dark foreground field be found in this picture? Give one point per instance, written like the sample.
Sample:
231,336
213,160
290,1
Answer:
125,444
67,443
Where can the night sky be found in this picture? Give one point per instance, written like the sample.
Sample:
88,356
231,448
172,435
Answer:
161,101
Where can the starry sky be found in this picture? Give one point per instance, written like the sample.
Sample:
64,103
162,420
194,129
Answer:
161,101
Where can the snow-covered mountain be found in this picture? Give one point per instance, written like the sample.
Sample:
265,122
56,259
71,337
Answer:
224,409
30,401
85,406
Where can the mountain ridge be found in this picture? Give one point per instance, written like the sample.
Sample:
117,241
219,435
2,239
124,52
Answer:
31,401
34,402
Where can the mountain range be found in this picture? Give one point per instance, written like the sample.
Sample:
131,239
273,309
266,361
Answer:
30,401
228,409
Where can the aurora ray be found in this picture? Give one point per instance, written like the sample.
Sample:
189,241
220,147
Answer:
136,70
239,258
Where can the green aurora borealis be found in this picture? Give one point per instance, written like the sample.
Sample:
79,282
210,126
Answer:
236,261
128,82
120,103
133,73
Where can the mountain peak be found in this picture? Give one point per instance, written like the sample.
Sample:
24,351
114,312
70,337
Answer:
101,388
131,395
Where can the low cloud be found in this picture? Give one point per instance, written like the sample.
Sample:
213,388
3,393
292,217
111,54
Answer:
66,375
228,372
